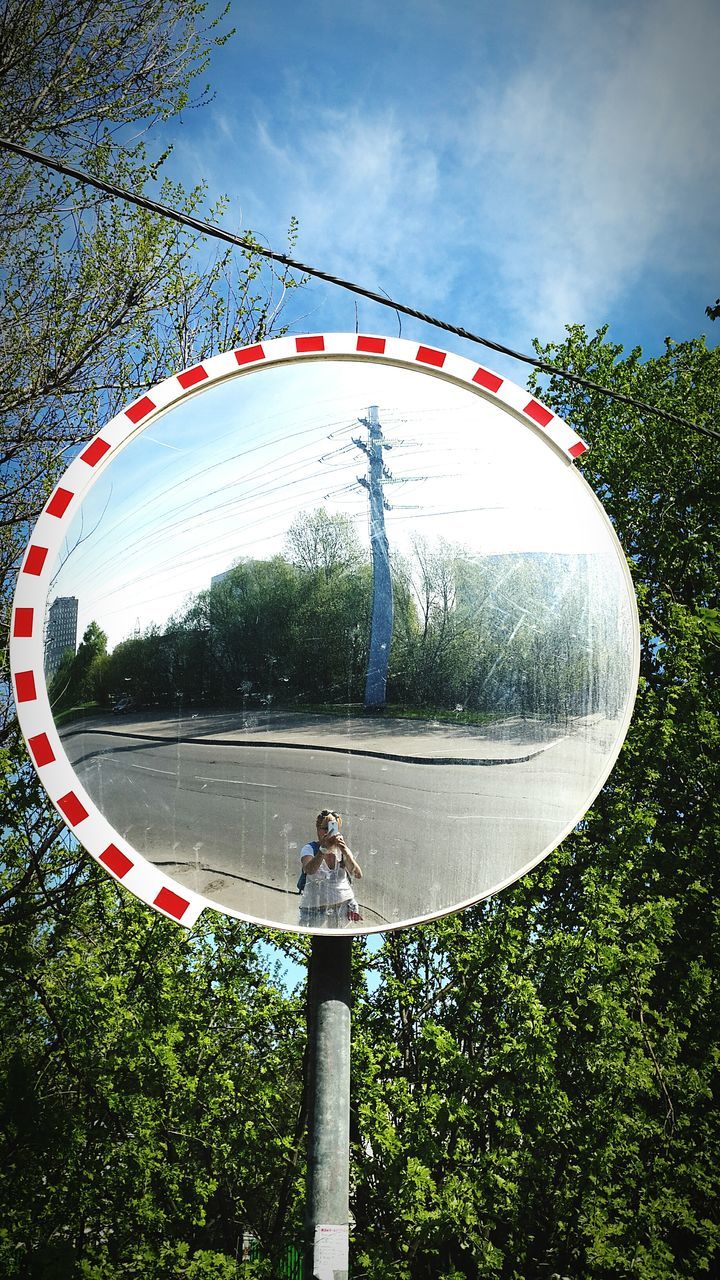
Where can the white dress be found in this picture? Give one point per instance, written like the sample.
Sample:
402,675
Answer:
326,890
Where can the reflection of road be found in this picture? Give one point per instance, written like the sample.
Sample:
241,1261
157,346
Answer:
226,810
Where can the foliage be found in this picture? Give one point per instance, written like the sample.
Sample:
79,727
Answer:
79,678
131,1060
324,543
296,628
100,300
150,1080
149,1083
533,1079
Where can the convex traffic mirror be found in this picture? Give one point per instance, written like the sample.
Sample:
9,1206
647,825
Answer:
336,573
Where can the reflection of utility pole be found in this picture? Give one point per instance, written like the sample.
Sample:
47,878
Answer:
382,605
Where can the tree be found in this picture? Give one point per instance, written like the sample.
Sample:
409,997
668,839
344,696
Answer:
435,646
72,77
150,1090
323,543
100,301
124,1114
250,621
82,678
533,1077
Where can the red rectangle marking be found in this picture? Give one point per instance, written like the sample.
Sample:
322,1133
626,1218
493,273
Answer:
576,450
95,451
59,503
116,861
25,690
140,410
191,377
73,809
172,903
316,343
428,355
485,378
23,624
538,413
36,558
375,345
248,355
41,750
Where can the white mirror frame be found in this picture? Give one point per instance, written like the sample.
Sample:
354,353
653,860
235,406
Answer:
71,800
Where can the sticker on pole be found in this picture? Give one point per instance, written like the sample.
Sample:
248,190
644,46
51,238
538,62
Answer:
331,1251
327,633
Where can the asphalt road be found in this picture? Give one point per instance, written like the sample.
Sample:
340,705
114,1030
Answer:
227,815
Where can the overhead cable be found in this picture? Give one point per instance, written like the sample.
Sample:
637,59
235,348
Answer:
251,246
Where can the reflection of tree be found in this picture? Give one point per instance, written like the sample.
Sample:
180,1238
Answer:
81,677
250,615
323,543
515,634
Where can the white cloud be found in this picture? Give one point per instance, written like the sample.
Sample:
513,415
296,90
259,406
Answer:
556,163
597,156
365,190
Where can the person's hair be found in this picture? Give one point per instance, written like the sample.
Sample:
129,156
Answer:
328,813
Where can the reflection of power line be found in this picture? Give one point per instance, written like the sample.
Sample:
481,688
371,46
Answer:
260,509
176,563
145,505
349,426
453,511
253,499
249,504
336,453
413,479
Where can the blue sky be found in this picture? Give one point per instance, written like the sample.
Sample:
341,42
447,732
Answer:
508,167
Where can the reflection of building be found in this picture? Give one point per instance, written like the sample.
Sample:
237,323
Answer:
61,631
217,578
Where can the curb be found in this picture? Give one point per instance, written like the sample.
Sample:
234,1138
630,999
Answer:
485,762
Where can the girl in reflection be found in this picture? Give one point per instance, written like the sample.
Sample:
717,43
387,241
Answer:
328,900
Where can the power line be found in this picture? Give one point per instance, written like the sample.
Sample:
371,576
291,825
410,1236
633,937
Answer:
218,233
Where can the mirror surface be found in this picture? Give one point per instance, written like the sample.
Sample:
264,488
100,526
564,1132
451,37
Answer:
351,586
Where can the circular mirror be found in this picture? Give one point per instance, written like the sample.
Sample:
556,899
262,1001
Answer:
337,577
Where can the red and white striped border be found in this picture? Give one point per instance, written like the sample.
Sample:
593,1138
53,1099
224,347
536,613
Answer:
80,813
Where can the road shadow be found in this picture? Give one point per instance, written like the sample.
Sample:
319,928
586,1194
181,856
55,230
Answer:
503,741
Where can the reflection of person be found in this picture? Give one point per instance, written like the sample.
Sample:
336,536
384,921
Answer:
328,900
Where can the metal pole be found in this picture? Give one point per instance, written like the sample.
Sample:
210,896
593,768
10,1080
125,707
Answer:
328,1086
